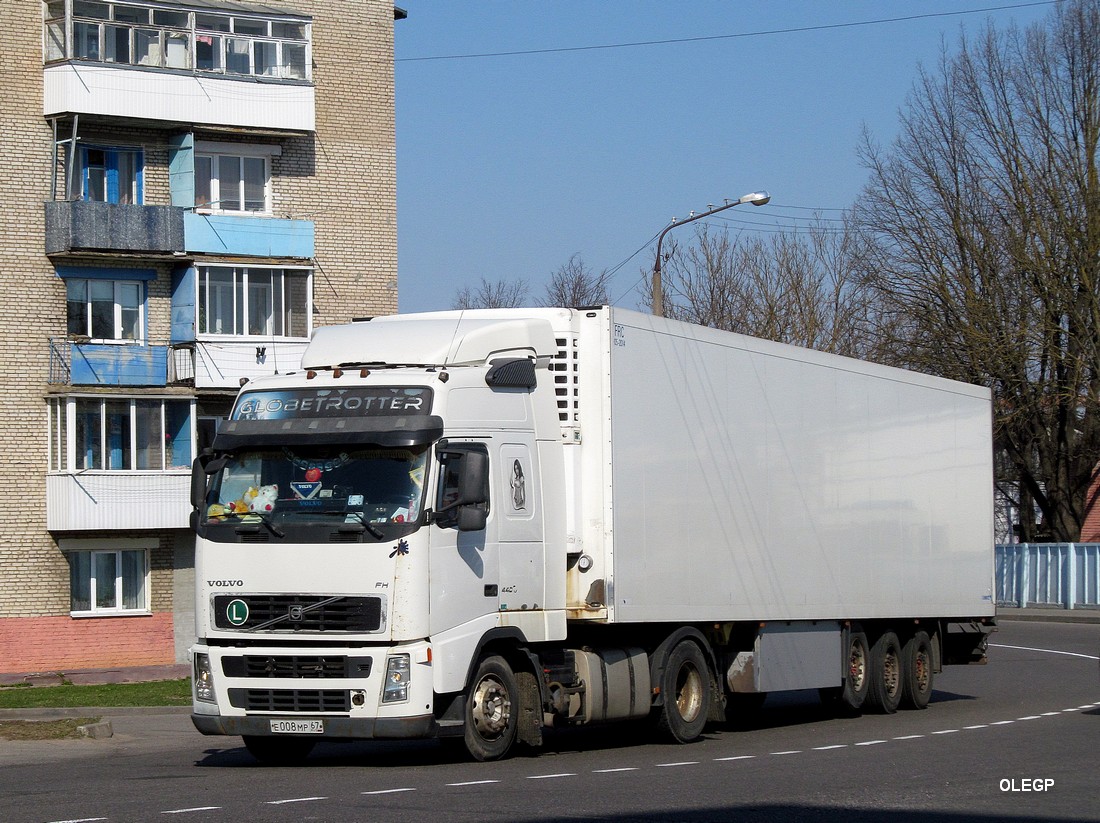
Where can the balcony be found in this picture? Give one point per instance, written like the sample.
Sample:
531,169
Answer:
78,226
107,364
221,364
248,235
117,500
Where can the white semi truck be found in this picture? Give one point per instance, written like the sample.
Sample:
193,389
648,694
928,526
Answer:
477,525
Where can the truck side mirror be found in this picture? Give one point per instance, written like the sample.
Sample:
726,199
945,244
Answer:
198,482
464,488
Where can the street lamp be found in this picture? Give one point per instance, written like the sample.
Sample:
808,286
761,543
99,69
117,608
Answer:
757,198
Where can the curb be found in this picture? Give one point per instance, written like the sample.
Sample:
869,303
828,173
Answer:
90,711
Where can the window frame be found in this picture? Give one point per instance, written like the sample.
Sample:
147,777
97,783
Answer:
112,170
119,309
215,176
236,289
85,33
72,433
103,548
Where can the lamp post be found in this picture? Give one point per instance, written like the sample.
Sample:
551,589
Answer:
757,198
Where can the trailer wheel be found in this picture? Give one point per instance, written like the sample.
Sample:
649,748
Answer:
849,698
917,672
687,694
886,674
492,708
279,751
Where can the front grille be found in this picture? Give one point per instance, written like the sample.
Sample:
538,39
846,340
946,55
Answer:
296,666
310,701
297,613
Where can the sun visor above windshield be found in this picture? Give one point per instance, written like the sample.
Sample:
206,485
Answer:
434,341
387,432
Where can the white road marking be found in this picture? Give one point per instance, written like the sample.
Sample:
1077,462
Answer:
390,791
1045,651
979,726
870,742
609,771
681,763
549,776
474,783
294,800
909,737
80,820
946,731
195,809
737,757
827,748
1029,717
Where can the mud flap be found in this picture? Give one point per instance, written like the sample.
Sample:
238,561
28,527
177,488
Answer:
529,724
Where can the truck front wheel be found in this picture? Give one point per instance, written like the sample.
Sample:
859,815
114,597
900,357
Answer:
492,708
685,686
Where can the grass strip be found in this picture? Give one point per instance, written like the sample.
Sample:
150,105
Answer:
152,693
64,729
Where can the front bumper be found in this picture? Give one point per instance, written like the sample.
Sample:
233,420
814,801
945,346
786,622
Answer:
343,728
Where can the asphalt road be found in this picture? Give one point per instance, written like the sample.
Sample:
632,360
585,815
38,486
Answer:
1012,741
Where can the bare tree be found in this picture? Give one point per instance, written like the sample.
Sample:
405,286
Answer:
983,228
797,288
574,285
503,294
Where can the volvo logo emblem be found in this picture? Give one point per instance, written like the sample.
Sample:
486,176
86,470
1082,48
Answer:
295,613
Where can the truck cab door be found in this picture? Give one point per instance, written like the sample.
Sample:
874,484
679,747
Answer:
463,545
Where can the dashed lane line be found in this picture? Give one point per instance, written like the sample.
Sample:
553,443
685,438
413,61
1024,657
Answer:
732,758
191,810
294,800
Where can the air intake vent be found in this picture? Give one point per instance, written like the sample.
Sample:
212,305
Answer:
297,613
312,701
566,378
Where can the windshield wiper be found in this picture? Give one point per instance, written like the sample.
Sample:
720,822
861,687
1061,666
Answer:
361,524
264,518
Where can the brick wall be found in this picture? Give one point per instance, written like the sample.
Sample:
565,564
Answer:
343,177
57,644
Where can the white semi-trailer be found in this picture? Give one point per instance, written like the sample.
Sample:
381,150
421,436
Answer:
480,524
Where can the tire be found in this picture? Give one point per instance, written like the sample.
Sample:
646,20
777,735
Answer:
492,710
685,686
884,694
917,672
279,751
849,698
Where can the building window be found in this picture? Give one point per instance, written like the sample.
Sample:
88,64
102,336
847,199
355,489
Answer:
109,175
105,310
162,36
107,582
227,182
251,301
120,434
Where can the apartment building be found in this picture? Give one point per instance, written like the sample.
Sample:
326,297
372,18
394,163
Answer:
190,187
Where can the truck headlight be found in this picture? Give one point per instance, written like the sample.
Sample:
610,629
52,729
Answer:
204,679
396,689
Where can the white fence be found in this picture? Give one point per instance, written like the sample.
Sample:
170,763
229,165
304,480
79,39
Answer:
1051,575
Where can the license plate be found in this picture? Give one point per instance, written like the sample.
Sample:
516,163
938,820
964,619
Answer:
297,726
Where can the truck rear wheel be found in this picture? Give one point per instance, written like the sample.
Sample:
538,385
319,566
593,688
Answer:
685,686
279,751
492,709
916,672
886,674
849,698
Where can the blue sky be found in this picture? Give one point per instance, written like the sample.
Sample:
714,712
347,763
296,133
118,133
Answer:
509,165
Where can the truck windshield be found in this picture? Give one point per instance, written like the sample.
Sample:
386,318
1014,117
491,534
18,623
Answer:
307,493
